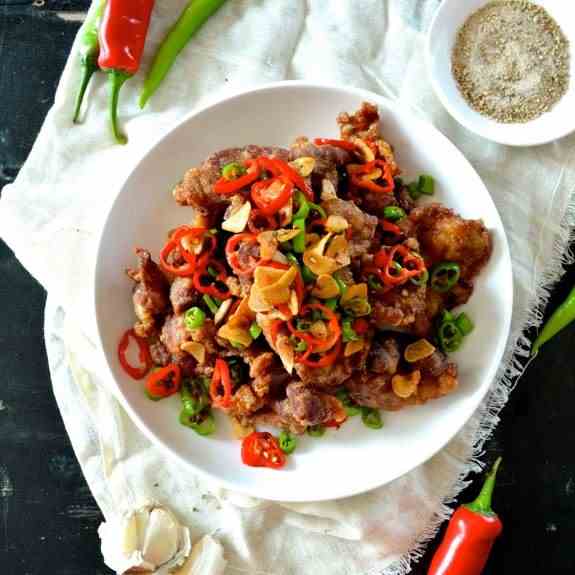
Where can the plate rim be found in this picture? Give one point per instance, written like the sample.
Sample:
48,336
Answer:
97,304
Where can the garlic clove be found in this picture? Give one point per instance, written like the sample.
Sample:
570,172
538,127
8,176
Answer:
207,558
238,221
162,537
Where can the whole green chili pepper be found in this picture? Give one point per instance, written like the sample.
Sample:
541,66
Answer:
560,318
190,21
88,49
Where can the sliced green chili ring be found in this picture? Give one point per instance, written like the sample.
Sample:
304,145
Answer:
316,430
393,213
307,275
204,424
347,332
444,276
233,171
210,302
421,279
195,398
426,185
287,442
300,346
255,330
371,418
446,316
374,283
413,191
194,318
318,209
298,243
331,303
351,408
464,323
449,337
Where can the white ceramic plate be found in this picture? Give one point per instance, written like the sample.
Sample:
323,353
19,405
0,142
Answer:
355,458
556,123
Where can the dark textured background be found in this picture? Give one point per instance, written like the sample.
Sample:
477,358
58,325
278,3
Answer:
48,518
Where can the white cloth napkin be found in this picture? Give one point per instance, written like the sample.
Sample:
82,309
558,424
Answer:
51,215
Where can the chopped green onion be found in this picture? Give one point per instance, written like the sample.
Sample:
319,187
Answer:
307,275
287,442
464,323
371,417
194,318
298,242
255,330
331,303
201,424
211,303
347,332
421,279
316,430
426,185
232,171
444,276
393,213
212,272
449,336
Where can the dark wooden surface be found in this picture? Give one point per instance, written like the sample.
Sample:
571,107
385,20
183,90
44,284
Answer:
48,518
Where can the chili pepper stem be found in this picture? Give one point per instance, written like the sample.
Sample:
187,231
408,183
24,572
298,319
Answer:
89,66
116,79
483,502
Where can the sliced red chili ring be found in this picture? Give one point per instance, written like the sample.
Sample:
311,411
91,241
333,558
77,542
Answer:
343,144
393,272
267,203
221,386
390,227
206,284
186,269
226,187
325,360
143,355
334,329
261,449
279,167
357,177
164,381
232,248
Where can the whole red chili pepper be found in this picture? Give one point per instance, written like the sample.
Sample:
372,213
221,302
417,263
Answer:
122,36
470,535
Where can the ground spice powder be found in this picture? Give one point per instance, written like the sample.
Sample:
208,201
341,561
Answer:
511,61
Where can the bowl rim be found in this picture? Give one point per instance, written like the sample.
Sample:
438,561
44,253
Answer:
97,304
528,139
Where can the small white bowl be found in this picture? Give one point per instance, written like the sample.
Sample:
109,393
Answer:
556,123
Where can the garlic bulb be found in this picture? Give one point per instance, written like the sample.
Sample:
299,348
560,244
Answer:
149,540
